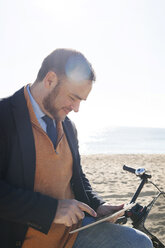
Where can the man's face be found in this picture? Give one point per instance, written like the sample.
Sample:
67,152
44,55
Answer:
65,97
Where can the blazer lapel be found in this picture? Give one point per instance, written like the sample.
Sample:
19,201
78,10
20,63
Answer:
24,131
77,182
72,141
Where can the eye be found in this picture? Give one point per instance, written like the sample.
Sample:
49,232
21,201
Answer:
72,98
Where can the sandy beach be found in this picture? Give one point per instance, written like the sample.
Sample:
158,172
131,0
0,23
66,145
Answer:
117,186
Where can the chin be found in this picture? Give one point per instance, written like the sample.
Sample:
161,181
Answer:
60,118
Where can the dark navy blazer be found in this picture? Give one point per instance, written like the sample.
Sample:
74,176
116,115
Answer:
20,206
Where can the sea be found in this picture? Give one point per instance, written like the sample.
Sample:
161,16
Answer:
123,140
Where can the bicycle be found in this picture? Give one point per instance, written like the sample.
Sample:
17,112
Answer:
139,215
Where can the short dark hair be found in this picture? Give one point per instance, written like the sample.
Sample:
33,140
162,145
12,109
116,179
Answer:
67,63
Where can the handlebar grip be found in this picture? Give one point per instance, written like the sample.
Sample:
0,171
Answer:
129,169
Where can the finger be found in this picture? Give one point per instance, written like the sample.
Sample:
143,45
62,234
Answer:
68,222
114,219
80,214
86,208
116,208
76,215
121,206
74,218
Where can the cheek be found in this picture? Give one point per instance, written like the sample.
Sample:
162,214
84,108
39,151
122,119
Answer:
66,102
61,103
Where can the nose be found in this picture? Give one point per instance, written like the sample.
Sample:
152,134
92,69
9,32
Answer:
76,106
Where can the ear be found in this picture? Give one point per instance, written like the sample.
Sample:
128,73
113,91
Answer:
50,80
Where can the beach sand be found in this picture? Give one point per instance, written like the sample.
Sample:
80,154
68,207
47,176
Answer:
117,186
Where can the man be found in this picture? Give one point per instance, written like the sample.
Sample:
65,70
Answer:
44,193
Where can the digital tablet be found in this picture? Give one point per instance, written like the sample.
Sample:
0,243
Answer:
105,218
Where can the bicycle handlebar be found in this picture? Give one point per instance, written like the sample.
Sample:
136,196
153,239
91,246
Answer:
129,169
140,172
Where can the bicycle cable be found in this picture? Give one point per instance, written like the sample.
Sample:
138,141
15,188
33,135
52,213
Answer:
157,188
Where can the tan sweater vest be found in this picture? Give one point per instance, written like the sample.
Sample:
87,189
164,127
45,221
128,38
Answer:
52,177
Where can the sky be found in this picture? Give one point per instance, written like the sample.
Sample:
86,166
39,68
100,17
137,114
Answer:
123,39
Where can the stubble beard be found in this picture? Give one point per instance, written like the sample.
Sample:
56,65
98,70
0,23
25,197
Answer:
47,103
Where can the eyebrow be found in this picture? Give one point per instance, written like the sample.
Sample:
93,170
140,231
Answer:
78,97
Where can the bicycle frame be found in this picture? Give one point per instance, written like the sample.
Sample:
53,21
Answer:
138,214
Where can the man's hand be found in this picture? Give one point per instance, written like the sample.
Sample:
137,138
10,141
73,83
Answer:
107,209
69,212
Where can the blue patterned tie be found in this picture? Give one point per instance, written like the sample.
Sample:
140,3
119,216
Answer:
50,129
